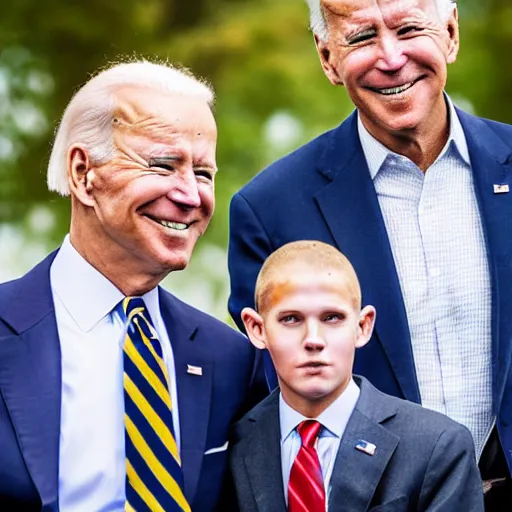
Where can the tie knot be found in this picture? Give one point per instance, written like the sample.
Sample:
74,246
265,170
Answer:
308,431
133,305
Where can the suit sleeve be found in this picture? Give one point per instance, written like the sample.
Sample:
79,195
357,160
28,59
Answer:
452,480
249,246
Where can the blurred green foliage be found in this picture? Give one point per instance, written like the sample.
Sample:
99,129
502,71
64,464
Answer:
258,54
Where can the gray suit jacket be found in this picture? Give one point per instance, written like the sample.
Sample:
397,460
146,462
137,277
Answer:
423,460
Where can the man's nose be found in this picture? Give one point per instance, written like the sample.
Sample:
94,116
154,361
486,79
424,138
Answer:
391,54
313,340
185,189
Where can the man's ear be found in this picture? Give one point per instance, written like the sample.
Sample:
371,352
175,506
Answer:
254,327
79,174
453,33
325,55
365,327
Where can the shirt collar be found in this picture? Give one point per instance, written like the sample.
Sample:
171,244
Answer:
376,153
334,418
86,293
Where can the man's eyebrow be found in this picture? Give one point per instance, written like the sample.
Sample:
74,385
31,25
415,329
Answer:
355,31
155,160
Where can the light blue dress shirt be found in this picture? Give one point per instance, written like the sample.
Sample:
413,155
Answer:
435,231
92,454
333,420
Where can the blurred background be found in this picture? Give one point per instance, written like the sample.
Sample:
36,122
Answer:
271,97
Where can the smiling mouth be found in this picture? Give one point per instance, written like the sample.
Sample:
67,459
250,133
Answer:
392,91
177,226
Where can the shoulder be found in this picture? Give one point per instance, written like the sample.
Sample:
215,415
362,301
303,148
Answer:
251,421
212,326
422,423
8,291
292,169
31,292
411,421
481,127
498,127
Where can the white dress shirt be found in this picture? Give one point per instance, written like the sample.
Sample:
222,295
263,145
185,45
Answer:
333,420
92,454
435,231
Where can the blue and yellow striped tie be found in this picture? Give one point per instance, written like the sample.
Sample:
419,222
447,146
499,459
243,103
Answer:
154,478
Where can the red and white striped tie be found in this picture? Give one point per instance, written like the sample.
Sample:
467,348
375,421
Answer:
306,491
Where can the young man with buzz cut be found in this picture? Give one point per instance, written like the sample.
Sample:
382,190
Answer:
327,440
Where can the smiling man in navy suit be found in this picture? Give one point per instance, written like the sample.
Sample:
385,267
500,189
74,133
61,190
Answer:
417,194
114,394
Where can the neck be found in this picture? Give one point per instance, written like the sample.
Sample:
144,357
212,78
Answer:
111,260
422,144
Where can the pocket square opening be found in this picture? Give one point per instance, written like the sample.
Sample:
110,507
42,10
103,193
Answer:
222,448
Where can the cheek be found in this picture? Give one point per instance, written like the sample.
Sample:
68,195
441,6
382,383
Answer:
342,343
207,195
357,65
428,51
118,198
283,354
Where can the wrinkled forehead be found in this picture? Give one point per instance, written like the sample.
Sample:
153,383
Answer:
149,112
363,11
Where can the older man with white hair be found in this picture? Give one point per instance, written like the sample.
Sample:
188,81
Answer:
114,394
417,194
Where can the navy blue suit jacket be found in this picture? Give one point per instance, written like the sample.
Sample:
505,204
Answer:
323,191
30,393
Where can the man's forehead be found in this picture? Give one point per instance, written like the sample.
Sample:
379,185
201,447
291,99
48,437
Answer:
140,108
297,276
355,10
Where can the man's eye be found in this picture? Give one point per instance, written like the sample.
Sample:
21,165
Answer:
362,37
333,317
408,30
289,319
204,173
165,164
166,167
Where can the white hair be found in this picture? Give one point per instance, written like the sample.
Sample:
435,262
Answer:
319,26
89,115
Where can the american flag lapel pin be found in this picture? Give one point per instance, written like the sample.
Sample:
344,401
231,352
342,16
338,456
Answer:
194,370
501,188
365,447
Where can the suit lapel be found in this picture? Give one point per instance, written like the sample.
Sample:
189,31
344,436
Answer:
356,474
491,164
30,378
351,209
262,459
194,391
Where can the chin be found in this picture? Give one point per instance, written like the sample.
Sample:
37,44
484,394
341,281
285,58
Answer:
315,393
402,123
175,262
170,258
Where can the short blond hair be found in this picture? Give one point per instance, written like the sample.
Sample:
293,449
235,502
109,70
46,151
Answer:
310,253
